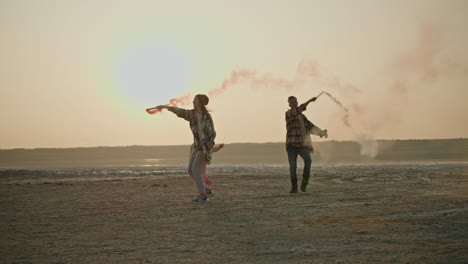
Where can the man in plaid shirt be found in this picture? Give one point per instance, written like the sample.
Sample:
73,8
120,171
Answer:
298,140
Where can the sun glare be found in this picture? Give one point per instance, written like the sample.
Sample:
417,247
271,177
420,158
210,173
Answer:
152,73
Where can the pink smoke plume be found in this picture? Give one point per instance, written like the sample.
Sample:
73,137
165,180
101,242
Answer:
235,77
422,63
265,80
419,62
305,70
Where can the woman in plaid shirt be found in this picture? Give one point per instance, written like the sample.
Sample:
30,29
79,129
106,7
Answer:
298,140
204,133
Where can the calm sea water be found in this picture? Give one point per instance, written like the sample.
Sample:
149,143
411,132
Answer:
163,171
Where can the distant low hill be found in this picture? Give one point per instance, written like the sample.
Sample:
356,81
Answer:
240,153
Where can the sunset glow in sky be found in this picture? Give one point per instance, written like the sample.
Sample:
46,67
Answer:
82,73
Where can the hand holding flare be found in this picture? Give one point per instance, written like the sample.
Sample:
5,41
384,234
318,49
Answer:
155,110
174,102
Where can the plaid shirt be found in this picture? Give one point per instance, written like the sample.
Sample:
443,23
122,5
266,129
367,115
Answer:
293,134
208,129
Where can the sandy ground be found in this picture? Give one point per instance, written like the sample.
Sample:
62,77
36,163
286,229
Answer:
350,214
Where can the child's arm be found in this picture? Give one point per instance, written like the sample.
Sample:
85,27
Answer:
217,148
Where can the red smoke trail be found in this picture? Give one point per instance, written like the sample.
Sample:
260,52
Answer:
258,80
421,62
304,70
181,101
235,77
178,101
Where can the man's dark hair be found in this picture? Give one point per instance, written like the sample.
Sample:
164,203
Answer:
292,97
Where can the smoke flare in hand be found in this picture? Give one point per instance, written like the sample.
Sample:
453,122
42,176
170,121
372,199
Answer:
369,147
178,101
153,111
346,110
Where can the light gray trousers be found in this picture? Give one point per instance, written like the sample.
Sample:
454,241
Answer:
196,167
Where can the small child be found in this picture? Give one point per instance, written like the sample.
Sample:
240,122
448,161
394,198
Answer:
207,180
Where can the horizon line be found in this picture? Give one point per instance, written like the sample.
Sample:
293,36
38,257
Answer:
232,143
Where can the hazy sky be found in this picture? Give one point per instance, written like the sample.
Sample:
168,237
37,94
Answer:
81,73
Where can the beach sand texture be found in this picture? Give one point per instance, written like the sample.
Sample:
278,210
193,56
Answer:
350,213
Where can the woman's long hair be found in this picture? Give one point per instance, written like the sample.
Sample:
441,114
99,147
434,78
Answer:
203,100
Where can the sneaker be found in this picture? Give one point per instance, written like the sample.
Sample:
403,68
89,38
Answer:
209,192
200,199
293,189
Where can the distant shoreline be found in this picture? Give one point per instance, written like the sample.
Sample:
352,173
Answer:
234,143
446,150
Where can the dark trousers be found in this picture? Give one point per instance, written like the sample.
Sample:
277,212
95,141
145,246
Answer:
292,158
